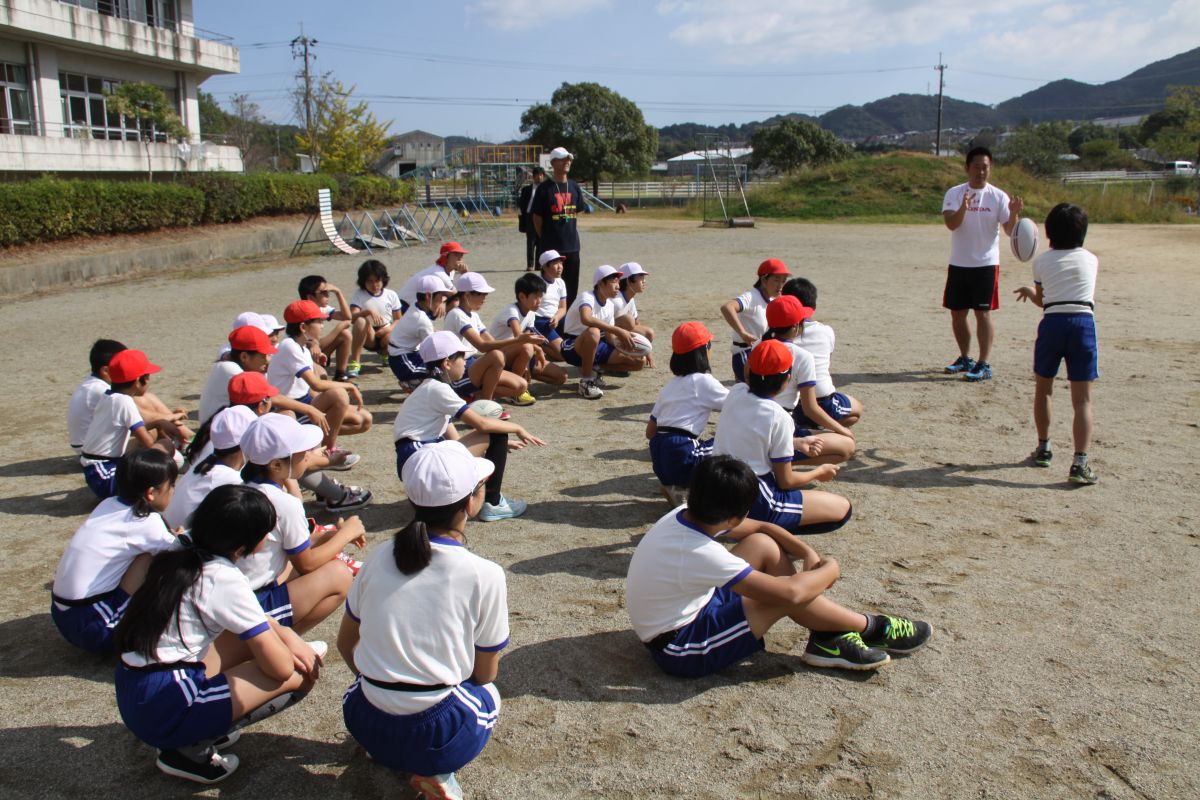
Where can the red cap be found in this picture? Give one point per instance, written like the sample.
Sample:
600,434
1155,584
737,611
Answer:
251,339
786,311
771,357
302,311
129,365
689,336
450,247
772,266
250,388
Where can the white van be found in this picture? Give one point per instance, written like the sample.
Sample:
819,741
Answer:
1185,168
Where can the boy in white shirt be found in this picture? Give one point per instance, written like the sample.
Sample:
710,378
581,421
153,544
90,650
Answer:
337,339
448,268
592,336
376,309
553,307
429,303
818,339
515,325
88,393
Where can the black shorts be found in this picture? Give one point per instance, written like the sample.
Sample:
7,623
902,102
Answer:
972,287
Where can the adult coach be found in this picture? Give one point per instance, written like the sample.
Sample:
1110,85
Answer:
974,212
524,222
556,203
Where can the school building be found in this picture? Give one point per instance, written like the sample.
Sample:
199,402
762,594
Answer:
59,59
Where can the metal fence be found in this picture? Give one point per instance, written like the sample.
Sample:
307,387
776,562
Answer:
629,192
1119,176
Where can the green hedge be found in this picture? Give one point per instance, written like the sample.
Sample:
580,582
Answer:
47,209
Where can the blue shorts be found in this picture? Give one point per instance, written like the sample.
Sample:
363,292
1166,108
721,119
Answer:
276,601
406,447
718,637
542,325
783,507
604,351
443,738
304,419
101,477
91,627
674,456
836,405
1069,336
739,365
463,386
173,708
408,367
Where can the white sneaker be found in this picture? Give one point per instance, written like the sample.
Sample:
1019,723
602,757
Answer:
589,390
505,509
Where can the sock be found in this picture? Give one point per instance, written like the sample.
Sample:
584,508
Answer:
1079,460
875,627
497,453
1044,444
268,709
826,636
322,486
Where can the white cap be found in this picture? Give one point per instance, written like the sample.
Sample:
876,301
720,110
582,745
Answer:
430,284
443,473
548,256
439,345
252,318
274,436
272,323
632,268
560,152
229,425
474,282
603,271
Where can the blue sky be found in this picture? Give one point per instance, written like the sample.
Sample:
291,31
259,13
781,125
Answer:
472,67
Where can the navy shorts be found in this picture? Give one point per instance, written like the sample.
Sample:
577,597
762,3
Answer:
604,351
304,419
101,477
836,405
542,326
405,448
674,456
408,367
91,627
276,601
972,287
739,365
783,507
1069,336
718,637
173,708
441,739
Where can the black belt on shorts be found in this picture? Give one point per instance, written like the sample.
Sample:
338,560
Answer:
660,642
272,585
676,431
1070,303
86,601
92,457
401,686
826,397
742,345
165,666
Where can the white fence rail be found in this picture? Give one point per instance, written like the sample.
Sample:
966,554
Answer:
610,191
1118,176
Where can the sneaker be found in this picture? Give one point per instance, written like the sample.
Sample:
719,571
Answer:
1041,457
353,369
846,651
211,766
353,564
504,416
675,495
437,787
589,389
618,373
982,371
599,379
353,498
900,635
228,740
341,460
523,399
505,509
1083,474
961,364
341,377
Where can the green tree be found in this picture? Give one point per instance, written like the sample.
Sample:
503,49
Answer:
148,106
1037,147
1175,132
347,137
605,132
793,144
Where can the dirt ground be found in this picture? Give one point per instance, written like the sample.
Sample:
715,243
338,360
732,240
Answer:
1064,663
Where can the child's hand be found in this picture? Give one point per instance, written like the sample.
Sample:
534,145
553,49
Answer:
811,446
353,527
811,559
532,338
825,473
528,438
318,418
375,318
1025,293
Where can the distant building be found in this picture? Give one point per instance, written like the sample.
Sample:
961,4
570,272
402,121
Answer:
59,58
689,164
409,151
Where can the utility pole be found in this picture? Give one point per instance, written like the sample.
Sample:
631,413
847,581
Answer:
301,49
941,68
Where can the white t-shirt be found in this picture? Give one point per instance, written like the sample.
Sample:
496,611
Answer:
428,410
410,331
387,302
686,401
754,430
673,574
501,330
215,394
573,323
220,600
623,307
1067,275
116,416
818,340
556,292
425,628
976,243
83,404
459,321
192,488
408,292
103,548
290,361
804,373
752,311
289,537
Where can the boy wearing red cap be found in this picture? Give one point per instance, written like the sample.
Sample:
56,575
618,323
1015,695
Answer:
375,309
747,313
448,268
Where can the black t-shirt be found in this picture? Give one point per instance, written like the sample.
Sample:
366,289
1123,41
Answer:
558,204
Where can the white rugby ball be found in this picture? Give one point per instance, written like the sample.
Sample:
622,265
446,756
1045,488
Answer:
641,346
1024,239
380,307
487,408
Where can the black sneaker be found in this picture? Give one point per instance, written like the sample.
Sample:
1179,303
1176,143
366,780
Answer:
209,767
961,364
1083,474
354,498
1041,457
846,651
901,635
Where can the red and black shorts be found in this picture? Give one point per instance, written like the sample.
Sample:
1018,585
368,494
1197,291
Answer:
972,287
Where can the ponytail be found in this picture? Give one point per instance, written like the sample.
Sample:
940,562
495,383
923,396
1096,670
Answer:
140,470
252,472
410,547
202,437
210,461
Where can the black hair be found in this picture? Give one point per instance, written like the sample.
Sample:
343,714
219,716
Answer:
537,171
202,436
229,522
778,333
292,329
142,469
372,268
690,362
410,547
1066,226
252,472
123,385
236,356
803,290
435,370
210,461
979,151
102,352
766,385
529,284
308,285
721,487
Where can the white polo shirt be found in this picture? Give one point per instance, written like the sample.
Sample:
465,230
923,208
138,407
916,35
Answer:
818,339
1066,275
387,302
673,574
192,488
556,292
459,321
408,292
573,323
428,410
623,307
976,243
463,609
686,401
752,312
754,430
290,361
501,330
804,373
410,331
83,404
289,537
215,394
115,418
104,546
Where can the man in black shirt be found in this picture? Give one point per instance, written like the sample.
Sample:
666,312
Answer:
556,203
524,223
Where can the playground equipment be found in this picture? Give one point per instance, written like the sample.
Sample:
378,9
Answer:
722,179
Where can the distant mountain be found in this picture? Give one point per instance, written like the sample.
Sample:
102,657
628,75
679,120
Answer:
456,143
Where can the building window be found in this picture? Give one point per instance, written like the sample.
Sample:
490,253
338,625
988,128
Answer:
86,114
15,114
159,13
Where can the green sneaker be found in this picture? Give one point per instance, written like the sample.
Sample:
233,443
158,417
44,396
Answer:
901,635
845,651
1083,474
1041,457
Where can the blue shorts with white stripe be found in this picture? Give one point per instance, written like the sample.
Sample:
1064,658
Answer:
91,627
718,637
173,708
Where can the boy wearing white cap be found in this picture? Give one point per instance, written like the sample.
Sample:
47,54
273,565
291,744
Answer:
423,700
429,303
486,377
223,465
553,307
625,311
591,332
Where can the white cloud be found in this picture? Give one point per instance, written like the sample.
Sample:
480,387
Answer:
529,15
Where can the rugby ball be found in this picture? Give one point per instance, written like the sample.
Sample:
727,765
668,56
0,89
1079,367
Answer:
380,307
487,408
1024,239
641,346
